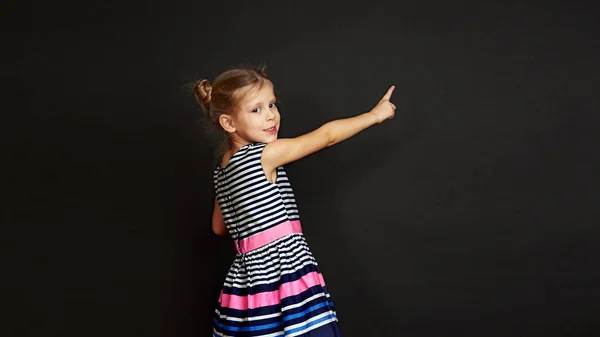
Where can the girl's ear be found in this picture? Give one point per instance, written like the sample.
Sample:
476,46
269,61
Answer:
227,123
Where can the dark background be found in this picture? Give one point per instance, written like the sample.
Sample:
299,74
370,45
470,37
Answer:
474,212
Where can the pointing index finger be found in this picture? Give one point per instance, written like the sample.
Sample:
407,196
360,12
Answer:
388,94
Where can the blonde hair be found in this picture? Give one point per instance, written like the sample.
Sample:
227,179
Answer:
223,95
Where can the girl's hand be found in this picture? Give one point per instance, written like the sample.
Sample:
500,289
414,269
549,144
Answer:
385,109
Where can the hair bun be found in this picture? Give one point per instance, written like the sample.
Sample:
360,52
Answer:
203,91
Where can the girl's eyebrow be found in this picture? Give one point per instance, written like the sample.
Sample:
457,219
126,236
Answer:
256,102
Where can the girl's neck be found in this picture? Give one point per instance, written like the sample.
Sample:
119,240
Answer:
236,143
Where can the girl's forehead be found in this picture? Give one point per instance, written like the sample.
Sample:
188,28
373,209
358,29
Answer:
256,94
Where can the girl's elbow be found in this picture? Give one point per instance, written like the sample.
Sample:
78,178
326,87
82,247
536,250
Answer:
329,136
219,230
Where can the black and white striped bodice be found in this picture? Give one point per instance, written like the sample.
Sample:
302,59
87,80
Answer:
248,201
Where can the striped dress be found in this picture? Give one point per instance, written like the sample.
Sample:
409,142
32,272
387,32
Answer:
274,286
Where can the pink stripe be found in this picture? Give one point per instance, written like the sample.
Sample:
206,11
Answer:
272,297
269,235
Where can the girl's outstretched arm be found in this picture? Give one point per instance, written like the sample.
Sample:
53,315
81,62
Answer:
286,150
218,224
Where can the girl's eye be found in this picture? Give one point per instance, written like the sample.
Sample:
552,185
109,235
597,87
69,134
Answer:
271,106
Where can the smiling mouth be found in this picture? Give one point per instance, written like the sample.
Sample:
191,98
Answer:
271,129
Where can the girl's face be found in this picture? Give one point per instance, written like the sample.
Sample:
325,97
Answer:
257,117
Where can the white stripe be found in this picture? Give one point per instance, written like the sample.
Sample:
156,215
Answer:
299,304
246,319
303,324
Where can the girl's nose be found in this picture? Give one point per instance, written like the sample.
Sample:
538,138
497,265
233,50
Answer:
270,114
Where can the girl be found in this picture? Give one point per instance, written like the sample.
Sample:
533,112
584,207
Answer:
274,286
